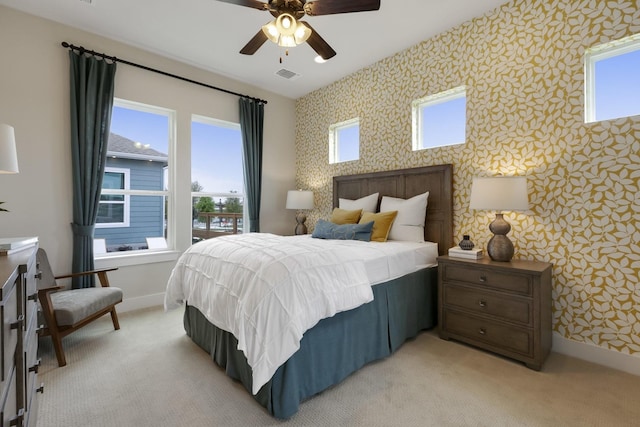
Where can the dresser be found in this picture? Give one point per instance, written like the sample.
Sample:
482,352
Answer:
18,339
502,307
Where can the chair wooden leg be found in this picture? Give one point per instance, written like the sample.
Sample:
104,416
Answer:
57,345
114,319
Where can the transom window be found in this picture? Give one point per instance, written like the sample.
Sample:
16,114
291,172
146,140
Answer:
612,80
344,141
439,120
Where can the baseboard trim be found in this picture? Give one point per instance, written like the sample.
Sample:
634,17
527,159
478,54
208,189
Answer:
137,303
595,354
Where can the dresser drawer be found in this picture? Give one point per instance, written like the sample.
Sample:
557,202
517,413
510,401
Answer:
478,329
9,404
508,308
506,281
9,332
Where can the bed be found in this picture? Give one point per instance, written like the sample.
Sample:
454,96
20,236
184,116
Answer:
340,344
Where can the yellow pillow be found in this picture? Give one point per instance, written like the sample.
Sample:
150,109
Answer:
343,216
382,223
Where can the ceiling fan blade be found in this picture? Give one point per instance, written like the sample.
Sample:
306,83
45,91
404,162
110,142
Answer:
318,44
255,4
331,7
254,44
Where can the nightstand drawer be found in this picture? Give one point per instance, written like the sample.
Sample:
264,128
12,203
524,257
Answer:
514,339
511,309
512,282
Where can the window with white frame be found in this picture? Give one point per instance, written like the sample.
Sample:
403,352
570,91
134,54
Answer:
134,200
217,179
344,141
113,210
439,120
612,80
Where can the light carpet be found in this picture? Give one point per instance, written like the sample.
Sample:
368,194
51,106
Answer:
149,373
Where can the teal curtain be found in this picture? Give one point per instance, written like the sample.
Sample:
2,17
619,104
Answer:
92,82
251,126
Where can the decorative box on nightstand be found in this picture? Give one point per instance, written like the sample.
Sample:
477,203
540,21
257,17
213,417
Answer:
503,307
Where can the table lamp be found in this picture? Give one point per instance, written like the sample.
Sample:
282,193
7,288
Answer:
8,155
299,200
500,193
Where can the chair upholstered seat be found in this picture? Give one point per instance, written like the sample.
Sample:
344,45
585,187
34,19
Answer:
73,306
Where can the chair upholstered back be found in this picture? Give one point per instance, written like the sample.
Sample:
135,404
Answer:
48,279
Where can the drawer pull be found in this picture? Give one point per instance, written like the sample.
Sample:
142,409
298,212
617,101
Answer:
38,275
17,420
482,331
482,303
35,367
40,389
18,323
483,279
33,297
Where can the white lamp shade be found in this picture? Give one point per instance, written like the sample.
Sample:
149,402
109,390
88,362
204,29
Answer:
299,199
499,193
8,155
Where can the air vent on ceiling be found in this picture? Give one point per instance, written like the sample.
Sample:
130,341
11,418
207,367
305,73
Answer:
287,74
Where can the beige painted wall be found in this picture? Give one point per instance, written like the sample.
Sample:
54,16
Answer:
34,99
523,68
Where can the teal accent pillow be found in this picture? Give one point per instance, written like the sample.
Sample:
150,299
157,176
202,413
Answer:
329,230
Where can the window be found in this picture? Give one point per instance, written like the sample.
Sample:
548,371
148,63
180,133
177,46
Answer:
217,178
135,192
114,208
439,120
344,141
612,81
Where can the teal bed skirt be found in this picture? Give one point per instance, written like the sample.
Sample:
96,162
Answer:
334,348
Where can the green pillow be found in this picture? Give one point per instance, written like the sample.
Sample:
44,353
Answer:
329,230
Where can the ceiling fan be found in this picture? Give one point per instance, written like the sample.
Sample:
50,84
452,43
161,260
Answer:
287,30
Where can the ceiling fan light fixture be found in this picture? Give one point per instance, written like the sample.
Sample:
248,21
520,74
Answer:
271,31
287,41
302,33
286,24
286,31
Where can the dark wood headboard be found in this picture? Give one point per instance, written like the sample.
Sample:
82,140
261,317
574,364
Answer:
406,183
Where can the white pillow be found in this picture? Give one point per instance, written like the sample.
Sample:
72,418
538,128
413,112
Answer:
367,203
409,224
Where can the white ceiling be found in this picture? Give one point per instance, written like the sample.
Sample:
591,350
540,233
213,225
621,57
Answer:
209,34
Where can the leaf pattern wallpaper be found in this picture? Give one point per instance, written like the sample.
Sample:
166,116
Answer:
522,65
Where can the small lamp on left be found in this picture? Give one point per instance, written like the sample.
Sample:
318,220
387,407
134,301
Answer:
300,200
8,155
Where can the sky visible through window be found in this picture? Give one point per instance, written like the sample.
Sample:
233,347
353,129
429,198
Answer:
349,143
216,158
216,151
142,127
444,123
618,86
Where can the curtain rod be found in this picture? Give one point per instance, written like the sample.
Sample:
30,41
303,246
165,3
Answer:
164,73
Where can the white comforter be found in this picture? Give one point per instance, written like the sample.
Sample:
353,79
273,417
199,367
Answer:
267,290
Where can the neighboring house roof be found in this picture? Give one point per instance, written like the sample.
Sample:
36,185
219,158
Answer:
122,147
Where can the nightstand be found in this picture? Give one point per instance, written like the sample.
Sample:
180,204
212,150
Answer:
503,307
